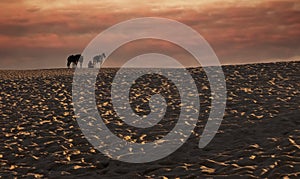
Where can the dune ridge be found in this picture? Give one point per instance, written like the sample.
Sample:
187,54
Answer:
258,138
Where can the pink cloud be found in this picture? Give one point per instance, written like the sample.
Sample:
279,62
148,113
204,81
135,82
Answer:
236,32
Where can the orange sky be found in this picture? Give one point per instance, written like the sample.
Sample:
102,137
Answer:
42,33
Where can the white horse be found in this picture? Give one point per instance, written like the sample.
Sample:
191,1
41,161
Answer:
98,59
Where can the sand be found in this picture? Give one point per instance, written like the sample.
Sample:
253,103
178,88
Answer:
258,138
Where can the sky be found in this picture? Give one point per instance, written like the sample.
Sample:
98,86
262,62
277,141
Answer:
43,33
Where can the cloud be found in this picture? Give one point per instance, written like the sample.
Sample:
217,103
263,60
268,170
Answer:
238,31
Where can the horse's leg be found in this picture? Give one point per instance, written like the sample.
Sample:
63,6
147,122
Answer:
77,62
68,64
74,64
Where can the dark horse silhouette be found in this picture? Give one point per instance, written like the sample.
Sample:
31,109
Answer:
74,59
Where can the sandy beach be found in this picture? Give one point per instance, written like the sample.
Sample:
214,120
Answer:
258,138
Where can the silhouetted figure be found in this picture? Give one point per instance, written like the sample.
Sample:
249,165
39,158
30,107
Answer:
98,59
81,61
95,59
90,65
73,59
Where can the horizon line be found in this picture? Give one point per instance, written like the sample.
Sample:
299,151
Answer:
116,67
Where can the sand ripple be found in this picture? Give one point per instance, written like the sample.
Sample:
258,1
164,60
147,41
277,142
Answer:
259,136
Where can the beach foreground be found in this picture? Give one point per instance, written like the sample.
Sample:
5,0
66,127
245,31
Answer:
259,136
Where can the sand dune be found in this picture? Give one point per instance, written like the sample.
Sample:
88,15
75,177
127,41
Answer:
259,136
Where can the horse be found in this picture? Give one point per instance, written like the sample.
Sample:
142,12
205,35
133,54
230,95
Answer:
74,59
98,59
